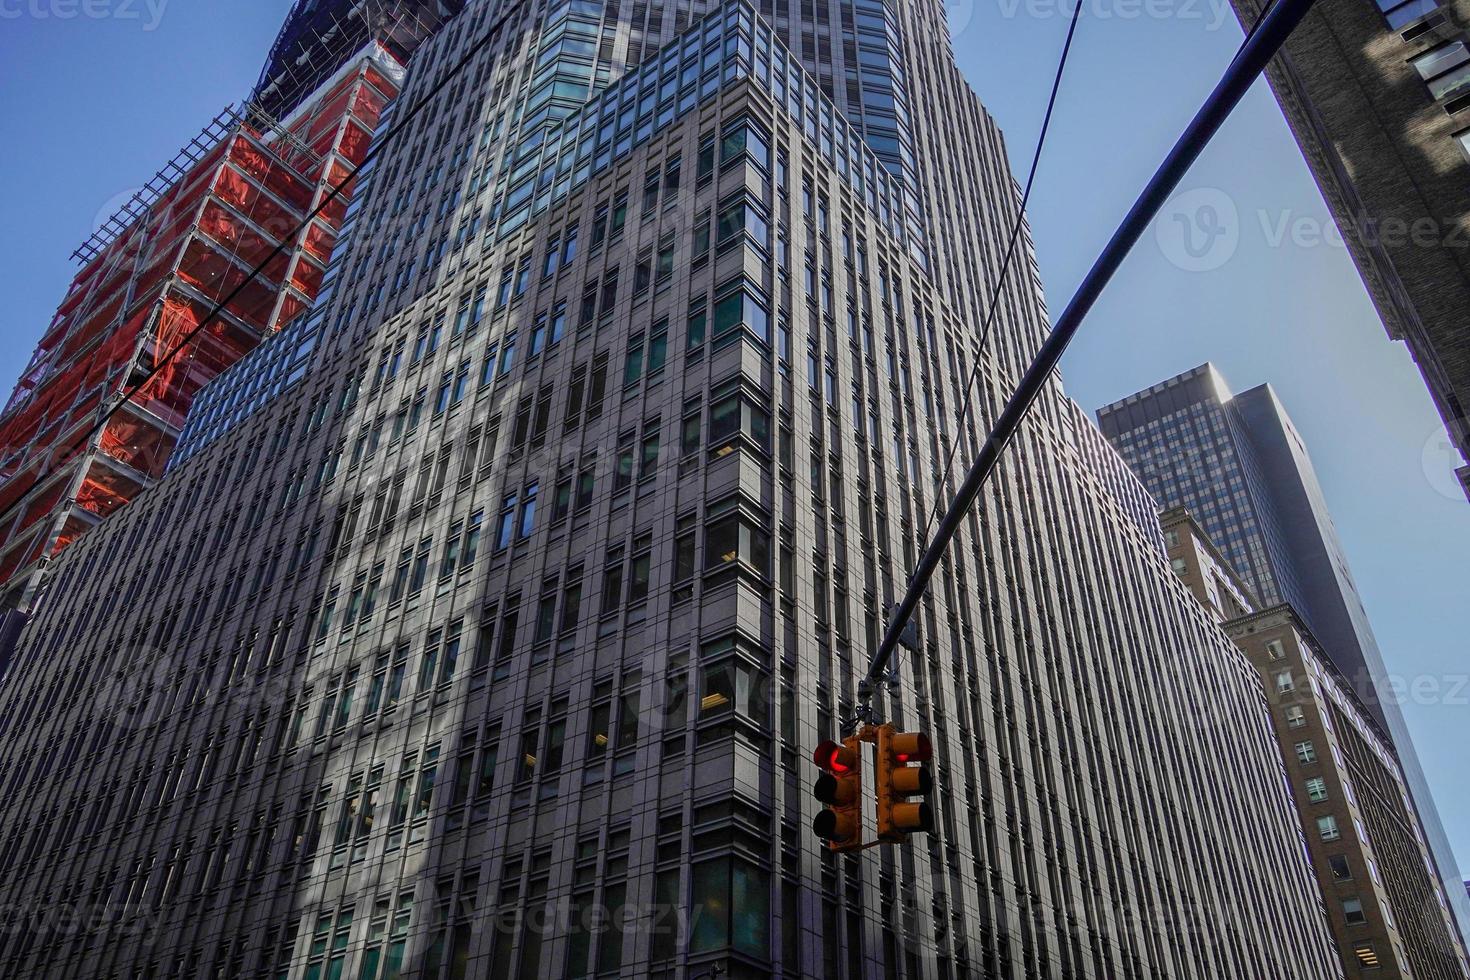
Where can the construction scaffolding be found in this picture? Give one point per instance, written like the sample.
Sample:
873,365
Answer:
319,34
150,275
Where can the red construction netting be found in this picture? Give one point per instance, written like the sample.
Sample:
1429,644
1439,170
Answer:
216,276
291,305
41,505
380,82
104,490
354,143
368,104
24,480
307,276
136,442
320,240
250,201
217,346
234,235
269,171
20,555
176,321
70,531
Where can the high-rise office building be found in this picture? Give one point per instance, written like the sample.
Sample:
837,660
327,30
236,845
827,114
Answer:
1386,905
1238,465
490,616
1376,95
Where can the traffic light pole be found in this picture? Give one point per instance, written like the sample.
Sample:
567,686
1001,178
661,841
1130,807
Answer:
1261,44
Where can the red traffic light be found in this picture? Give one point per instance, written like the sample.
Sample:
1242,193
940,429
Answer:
903,779
911,747
836,758
839,790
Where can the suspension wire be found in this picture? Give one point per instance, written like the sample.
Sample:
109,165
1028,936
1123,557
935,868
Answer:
1265,39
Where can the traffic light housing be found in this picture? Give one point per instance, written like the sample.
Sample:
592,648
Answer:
839,789
902,775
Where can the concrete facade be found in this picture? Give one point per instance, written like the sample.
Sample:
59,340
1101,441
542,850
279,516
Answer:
1387,908
1388,147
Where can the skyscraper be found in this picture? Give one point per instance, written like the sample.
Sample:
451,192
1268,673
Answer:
487,622
1386,906
1237,463
1376,96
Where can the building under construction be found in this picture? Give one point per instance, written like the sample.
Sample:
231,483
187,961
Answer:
99,407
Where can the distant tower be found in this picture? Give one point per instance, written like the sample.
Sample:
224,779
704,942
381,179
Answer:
1240,468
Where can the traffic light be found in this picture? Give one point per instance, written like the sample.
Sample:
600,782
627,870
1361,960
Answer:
902,774
840,788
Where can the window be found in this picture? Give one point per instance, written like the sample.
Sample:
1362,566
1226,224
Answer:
597,735
689,434
633,362
737,417
1284,682
1338,864
569,246
744,138
1179,565
1275,650
1446,69
733,686
623,474
508,355
741,215
545,617
1327,828
1306,753
737,538
1295,717
696,324
740,308
471,546
528,511
736,897
684,556
638,577
451,551
648,463
538,336
1317,789
571,604
658,348
619,215
1352,911
505,525
705,162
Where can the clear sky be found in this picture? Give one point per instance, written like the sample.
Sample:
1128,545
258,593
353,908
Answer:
92,106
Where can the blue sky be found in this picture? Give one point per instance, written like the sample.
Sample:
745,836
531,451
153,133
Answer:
94,106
